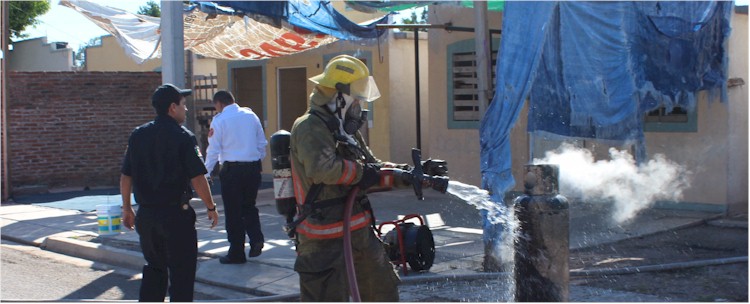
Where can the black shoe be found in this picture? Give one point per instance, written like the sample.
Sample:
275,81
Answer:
227,260
255,250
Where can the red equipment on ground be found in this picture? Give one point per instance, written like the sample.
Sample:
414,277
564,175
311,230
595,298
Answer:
409,242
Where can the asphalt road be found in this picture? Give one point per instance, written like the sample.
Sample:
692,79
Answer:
32,274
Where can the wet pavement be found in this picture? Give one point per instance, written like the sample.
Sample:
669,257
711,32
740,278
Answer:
456,275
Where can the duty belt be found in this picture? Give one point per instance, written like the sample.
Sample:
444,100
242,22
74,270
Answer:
240,163
183,206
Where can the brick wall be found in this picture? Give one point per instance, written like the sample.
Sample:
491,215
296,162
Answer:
70,129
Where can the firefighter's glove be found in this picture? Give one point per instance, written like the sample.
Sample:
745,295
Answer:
370,176
435,167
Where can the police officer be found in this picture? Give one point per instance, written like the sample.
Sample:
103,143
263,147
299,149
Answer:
161,162
237,140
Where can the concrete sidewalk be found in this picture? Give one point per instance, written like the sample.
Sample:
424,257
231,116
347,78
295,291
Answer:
456,227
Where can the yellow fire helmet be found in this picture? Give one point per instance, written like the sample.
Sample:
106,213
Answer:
350,76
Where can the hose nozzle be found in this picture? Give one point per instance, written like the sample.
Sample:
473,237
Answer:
418,178
437,183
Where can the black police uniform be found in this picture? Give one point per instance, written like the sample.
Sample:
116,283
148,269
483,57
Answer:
161,158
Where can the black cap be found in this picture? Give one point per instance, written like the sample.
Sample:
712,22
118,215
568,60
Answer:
169,93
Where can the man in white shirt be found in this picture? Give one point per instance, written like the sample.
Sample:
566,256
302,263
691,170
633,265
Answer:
236,140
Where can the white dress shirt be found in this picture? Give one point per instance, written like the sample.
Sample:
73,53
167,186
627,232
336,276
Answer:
235,135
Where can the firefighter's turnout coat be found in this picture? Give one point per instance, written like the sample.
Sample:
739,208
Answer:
317,158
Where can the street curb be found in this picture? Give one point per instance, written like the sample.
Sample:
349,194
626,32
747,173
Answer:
20,240
131,260
94,252
725,223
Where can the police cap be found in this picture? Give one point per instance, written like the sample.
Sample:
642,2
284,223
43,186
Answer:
168,93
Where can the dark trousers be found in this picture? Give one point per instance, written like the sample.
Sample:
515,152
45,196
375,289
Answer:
239,189
169,243
322,272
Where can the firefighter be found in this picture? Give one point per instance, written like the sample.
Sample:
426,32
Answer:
329,158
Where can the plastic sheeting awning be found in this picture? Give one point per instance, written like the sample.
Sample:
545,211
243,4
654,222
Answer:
228,35
313,15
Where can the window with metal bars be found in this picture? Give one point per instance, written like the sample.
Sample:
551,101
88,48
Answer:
678,120
463,96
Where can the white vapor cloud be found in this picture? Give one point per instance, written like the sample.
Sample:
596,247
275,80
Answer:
630,187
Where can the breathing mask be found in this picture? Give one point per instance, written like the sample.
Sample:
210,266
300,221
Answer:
354,119
349,112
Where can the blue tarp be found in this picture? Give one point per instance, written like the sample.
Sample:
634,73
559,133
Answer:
592,69
313,15
391,6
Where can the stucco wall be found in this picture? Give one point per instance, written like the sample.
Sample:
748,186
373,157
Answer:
737,191
110,56
204,66
38,55
460,147
704,152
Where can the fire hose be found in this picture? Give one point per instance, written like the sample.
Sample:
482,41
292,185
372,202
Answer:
351,273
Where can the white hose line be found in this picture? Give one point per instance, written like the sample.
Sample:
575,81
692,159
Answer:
452,277
659,267
292,297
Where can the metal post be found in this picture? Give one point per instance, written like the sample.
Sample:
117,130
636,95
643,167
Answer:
4,96
416,87
172,43
190,100
483,55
